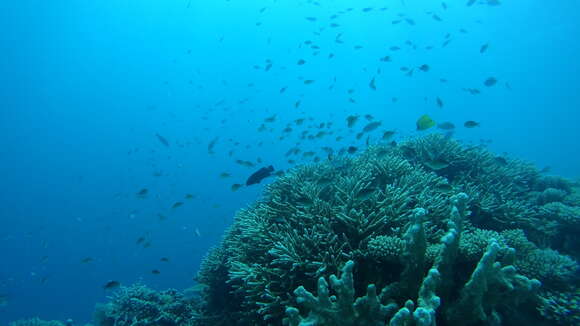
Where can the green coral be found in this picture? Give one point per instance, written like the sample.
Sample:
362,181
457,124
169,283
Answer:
138,305
398,218
36,322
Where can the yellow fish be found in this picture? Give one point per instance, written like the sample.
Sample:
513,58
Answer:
425,122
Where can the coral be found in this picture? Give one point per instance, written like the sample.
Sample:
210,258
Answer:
551,195
36,322
138,305
563,308
415,218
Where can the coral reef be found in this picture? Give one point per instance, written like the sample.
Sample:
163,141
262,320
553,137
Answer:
36,322
138,305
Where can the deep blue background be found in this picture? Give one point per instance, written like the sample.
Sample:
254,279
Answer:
86,85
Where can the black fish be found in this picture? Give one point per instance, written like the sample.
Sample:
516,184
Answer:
111,285
162,140
257,176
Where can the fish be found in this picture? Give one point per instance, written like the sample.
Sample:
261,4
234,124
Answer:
501,160
385,59
388,134
301,62
189,196
111,285
471,124
351,149
86,260
446,125
308,81
424,67
211,145
142,193
162,140
351,120
259,175
489,82
470,2
436,164
164,259
444,187
224,175
483,48
177,204
425,122
439,102
372,84
372,126
236,186
155,272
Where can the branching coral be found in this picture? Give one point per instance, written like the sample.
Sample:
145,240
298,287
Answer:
398,213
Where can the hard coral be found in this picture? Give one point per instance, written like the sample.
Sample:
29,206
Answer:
398,214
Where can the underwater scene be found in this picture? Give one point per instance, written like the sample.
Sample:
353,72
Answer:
289,162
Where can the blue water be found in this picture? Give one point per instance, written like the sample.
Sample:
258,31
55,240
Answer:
85,86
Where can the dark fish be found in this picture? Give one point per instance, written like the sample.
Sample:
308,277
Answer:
142,193
111,285
301,62
471,124
86,260
224,175
436,164
177,204
351,149
155,272
259,175
437,18
386,59
439,102
446,126
372,84
283,89
308,81
490,82
164,259
236,186
501,160
211,145
424,67
371,126
351,120
388,134
483,48
162,140
189,196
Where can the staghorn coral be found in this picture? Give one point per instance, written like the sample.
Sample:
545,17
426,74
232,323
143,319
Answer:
315,218
36,322
138,305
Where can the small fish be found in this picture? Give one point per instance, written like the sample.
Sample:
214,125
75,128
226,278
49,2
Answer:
444,187
211,145
236,186
424,67
155,272
301,62
351,120
471,124
436,164
439,102
259,175
372,84
3,300
501,160
164,259
283,89
386,59
111,285
308,81
225,175
446,126
189,196
163,140
483,48
388,134
351,149
142,193
425,122
371,126
491,81
86,260
177,204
